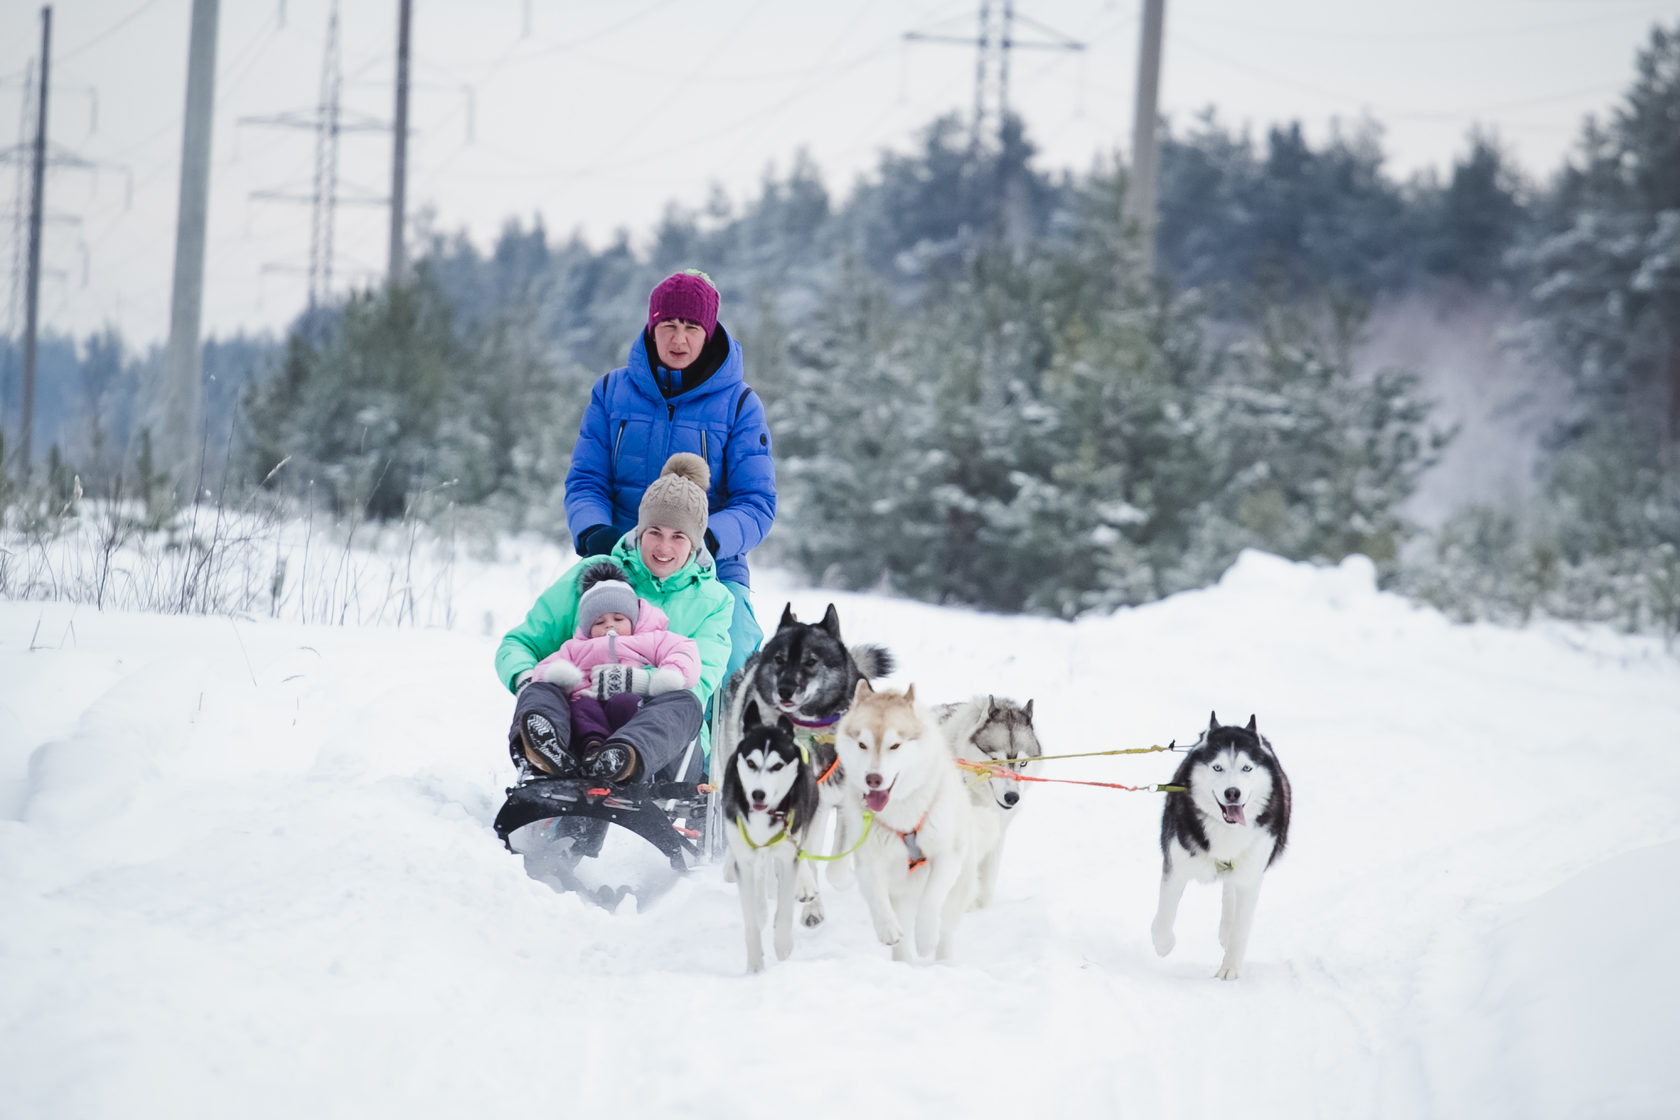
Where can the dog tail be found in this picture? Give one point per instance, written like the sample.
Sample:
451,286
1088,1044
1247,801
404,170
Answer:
872,660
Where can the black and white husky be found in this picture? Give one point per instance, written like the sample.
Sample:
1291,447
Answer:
1231,822
987,729
769,803
805,673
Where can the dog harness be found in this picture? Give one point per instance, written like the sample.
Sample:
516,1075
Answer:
811,736
787,823
915,855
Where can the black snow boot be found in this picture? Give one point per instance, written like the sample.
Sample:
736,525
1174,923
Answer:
615,762
542,747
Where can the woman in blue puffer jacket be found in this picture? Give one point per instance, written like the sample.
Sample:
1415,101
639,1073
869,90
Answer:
684,389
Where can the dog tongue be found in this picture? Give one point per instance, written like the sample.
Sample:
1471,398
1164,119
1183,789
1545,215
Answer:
876,799
1234,814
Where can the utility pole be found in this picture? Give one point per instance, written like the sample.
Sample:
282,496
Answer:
399,155
32,297
1141,198
183,412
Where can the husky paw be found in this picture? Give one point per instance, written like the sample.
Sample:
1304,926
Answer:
1164,940
1227,971
812,915
784,945
889,931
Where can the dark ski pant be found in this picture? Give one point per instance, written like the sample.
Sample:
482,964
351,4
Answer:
659,731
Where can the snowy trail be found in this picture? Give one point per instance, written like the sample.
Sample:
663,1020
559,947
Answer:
247,870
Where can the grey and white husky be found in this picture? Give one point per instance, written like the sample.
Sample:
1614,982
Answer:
806,673
991,730
1230,824
769,801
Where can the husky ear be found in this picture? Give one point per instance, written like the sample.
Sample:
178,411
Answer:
1028,711
831,621
910,693
1213,722
785,725
991,705
862,690
751,718
1252,726
788,618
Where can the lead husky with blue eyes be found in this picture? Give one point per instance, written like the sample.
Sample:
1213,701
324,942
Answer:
1230,823
769,804
806,674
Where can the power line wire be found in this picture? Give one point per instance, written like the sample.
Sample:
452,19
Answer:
1388,35
106,34
1403,111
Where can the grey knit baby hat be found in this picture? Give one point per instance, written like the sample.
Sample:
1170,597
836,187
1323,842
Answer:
677,498
606,589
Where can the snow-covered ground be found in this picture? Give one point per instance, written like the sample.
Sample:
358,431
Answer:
246,870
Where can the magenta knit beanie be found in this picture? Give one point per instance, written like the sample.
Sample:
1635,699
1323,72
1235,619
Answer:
685,295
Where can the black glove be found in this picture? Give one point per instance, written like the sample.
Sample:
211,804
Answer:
597,540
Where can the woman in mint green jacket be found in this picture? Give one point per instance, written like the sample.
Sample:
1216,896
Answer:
666,559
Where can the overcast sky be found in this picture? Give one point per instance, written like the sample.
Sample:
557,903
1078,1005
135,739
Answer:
596,115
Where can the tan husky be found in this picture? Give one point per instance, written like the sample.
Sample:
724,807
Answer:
916,865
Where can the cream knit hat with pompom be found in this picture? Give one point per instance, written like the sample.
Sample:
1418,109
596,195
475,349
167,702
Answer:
677,498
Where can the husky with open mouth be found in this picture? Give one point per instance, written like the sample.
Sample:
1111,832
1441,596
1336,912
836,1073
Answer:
806,673
1230,824
769,802
916,864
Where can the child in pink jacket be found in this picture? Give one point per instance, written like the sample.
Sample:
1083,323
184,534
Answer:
622,651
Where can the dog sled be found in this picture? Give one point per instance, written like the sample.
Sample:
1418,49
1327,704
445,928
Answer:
556,824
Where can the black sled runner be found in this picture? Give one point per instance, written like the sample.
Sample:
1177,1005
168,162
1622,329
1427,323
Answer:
572,817
669,815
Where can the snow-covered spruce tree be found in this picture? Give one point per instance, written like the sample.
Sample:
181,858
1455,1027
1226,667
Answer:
1604,305
358,412
505,435
1312,457
1291,216
850,426
1471,223
1606,276
1100,466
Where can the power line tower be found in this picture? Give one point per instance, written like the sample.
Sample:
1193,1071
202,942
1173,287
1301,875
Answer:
20,211
996,37
327,121
32,295
39,153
